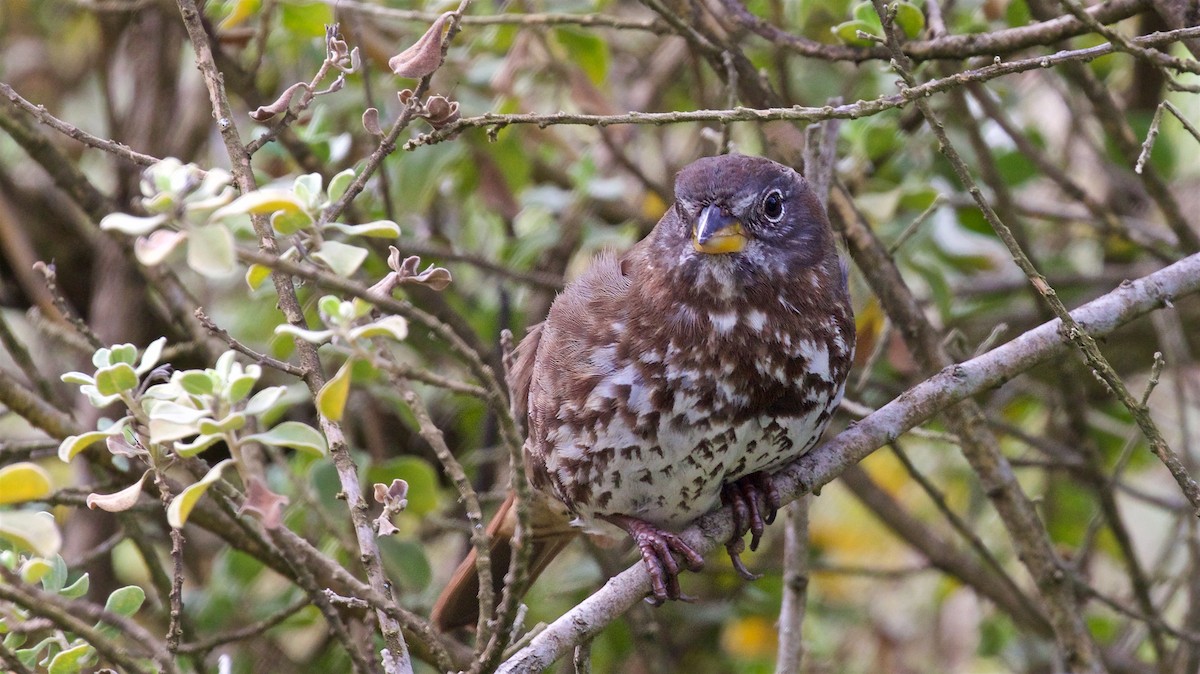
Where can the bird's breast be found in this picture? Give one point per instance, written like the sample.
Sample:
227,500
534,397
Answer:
672,415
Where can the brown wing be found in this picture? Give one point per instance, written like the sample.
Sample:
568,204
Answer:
521,374
575,349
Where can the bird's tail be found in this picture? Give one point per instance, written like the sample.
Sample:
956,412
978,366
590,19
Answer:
458,604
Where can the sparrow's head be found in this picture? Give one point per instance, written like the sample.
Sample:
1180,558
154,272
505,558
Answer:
747,216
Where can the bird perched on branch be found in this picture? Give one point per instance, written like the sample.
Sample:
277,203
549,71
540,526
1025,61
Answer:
681,375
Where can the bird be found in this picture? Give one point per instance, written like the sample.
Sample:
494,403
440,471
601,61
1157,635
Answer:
679,376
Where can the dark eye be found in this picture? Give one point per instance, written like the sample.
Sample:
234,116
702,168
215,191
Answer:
773,206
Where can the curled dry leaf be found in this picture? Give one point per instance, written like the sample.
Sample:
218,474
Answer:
119,501
440,111
370,122
425,55
394,496
263,503
265,112
384,526
436,278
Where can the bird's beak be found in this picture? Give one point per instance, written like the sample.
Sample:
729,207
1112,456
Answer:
715,232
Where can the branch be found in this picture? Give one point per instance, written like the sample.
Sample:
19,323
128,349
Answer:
801,113
953,384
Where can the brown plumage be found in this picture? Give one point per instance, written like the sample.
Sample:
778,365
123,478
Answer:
685,372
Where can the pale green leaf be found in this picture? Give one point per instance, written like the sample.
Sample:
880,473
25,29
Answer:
393,327
380,229
339,183
199,444
343,259
210,251
294,435
77,589
35,532
173,412
308,189
72,660
181,506
151,355
152,250
131,224
78,378
231,422
126,601
311,336
74,444
262,401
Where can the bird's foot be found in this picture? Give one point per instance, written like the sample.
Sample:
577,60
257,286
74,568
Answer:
659,548
749,497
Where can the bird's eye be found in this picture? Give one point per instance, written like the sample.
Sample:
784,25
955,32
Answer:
773,206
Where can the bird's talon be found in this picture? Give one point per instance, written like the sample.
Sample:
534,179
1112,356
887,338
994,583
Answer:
740,566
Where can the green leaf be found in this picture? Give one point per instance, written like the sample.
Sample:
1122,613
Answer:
77,589
181,506
125,601
910,19
23,481
290,222
232,422
56,579
197,383
294,435
72,660
210,251
122,353
32,531
343,259
379,229
116,379
586,50
305,19
197,445
331,399
847,32
340,183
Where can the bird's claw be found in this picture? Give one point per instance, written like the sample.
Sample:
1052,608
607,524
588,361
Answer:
658,548
749,497
735,547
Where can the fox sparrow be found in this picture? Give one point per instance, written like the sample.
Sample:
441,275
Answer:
682,374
